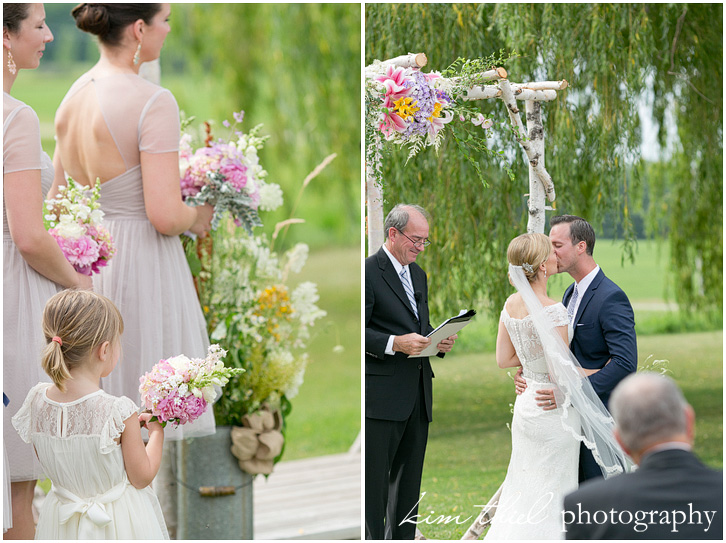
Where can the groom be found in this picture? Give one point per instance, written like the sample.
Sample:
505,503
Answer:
601,318
398,389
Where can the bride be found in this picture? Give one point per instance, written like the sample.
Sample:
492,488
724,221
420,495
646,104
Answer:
533,333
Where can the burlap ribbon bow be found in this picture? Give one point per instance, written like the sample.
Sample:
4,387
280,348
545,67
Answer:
258,441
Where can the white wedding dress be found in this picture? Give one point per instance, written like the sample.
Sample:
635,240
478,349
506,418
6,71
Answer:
545,455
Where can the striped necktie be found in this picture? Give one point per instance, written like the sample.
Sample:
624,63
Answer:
409,291
571,304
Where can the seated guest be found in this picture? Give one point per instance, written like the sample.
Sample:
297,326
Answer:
671,495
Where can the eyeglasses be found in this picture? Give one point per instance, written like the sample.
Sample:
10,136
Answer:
421,243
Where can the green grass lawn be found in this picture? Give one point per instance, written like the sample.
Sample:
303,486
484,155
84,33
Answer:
326,414
469,442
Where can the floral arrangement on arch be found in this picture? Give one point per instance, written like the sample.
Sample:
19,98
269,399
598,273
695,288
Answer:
407,107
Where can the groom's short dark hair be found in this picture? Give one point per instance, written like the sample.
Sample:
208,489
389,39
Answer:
580,230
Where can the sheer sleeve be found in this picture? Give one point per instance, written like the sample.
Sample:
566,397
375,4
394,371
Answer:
21,141
558,313
159,130
121,410
23,419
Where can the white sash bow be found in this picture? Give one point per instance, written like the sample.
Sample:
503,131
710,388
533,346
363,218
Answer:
92,510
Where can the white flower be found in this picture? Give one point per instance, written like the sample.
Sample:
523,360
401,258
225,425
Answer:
96,216
68,227
297,256
209,393
179,363
303,300
270,196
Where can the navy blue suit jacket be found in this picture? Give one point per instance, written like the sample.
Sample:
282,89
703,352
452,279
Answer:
392,382
604,329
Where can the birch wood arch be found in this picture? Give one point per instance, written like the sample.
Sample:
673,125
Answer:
541,184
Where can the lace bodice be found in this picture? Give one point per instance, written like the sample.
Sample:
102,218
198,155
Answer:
527,343
97,415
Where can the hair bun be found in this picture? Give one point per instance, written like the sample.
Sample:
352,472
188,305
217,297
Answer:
92,18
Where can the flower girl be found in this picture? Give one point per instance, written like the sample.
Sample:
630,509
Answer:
89,442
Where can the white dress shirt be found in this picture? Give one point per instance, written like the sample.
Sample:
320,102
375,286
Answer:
398,266
582,287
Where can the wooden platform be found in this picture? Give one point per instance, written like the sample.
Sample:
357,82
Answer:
313,498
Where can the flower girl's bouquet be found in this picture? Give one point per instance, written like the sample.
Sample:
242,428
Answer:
74,219
180,389
228,175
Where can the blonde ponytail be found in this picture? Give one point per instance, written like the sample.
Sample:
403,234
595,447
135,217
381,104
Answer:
75,322
54,365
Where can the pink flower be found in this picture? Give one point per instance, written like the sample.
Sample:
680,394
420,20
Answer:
437,123
81,252
390,124
395,84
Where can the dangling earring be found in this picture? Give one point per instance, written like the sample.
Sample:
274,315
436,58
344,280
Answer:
137,55
545,273
12,67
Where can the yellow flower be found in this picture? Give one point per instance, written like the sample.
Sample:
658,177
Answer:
404,107
436,112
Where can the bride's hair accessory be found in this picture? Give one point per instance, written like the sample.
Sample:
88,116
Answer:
137,55
572,387
12,67
57,340
529,251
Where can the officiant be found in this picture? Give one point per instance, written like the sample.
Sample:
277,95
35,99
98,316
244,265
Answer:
398,394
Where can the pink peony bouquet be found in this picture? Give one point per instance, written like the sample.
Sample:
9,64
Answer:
179,389
74,219
227,175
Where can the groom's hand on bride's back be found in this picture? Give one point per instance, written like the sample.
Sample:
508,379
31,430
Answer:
411,344
519,382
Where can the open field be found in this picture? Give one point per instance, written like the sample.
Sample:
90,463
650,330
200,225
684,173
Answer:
469,442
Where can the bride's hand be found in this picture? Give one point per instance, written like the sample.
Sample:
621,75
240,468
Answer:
411,344
520,384
546,399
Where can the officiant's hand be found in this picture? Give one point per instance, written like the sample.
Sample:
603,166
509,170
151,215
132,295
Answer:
546,399
411,344
445,345
520,384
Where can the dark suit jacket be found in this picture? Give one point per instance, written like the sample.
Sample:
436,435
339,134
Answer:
392,382
666,481
604,329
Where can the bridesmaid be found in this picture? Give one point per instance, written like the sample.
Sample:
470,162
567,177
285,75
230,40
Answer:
34,267
124,130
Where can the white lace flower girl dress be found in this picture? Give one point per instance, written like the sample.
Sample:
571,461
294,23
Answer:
78,446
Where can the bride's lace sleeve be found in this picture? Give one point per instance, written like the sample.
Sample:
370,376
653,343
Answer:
159,130
121,410
558,313
23,418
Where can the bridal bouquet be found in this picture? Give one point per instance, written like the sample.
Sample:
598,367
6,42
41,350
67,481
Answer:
228,175
74,219
179,389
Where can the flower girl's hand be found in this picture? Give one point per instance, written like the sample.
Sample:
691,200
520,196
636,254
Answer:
145,420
